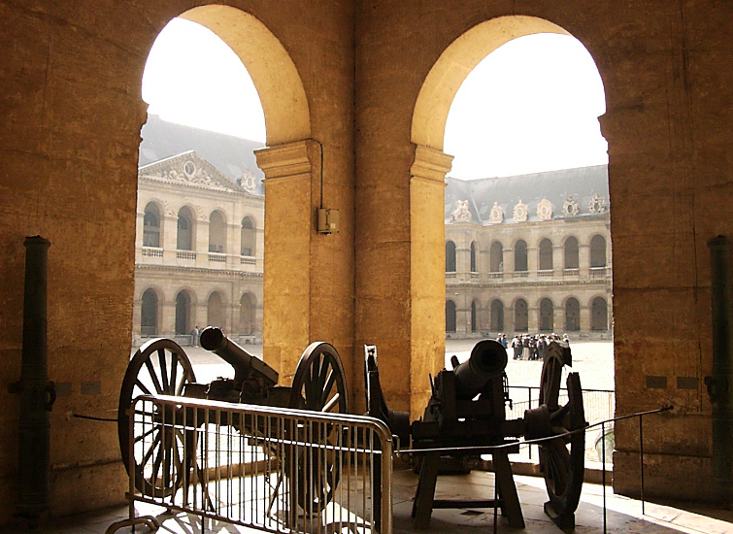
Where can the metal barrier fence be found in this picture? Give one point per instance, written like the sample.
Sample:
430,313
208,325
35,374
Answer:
278,470
598,404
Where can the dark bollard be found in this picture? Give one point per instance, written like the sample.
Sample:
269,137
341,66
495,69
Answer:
720,384
37,394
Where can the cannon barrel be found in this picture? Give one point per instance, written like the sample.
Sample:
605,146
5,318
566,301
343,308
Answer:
488,361
244,363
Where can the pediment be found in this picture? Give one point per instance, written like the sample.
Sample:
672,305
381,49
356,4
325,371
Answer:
187,169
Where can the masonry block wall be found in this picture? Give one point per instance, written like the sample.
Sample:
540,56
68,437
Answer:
72,114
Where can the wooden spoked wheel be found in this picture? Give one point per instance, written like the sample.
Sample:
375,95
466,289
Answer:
319,385
562,460
161,450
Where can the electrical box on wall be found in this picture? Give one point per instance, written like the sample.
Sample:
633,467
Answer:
328,221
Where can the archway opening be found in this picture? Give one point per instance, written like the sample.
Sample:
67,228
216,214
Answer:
516,101
149,314
182,325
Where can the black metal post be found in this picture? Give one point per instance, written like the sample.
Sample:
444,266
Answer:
720,384
641,461
603,471
37,394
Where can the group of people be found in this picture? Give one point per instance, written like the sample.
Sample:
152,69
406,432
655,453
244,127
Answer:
530,347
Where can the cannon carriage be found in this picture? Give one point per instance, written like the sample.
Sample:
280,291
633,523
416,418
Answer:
161,453
466,416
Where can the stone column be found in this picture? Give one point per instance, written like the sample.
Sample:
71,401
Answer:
558,258
167,318
168,230
233,246
533,317
427,276
584,260
201,240
291,174
585,318
532,259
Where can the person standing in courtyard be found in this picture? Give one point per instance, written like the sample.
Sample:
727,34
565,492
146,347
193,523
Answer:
195,336
517,346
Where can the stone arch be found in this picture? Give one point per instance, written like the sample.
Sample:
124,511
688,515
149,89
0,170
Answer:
572,314
183,307
278,83
545,255
450,257
217,231
456,62
497,316
547,315
248,314
520,256
571,253
599,314
248,236
450,316
598,251
186,229
150,312
152,224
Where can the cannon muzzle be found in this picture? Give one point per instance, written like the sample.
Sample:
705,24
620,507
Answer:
488,361
244,363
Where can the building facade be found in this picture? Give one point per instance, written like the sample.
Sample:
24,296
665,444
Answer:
198,251
529,254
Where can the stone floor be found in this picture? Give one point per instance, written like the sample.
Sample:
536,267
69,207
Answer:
623,514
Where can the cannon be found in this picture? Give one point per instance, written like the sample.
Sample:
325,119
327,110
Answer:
466,416
161,366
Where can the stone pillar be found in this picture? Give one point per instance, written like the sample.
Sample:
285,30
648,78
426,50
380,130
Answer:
291,176
558,258
532,259
168,230
201,241
585,318
234,231
584,260
533,317
167,318
427,276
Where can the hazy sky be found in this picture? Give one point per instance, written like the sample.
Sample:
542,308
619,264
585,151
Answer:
530,106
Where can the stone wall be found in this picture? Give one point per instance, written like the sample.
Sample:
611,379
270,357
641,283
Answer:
72,113
351,78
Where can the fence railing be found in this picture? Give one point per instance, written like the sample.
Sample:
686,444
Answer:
272,469
598,404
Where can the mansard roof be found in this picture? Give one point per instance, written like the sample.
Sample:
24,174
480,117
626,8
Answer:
188,169
586,187
232,156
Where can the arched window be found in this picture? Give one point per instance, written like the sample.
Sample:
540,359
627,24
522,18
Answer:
598,251
151,226
572,315
217,232
497,316
571,253
599,315
247,314
184,237
474,251
149,314
520,256
545,255
450,257
521,316
450,316
215,315
249,237
547,319
496,258
183,313
474,317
